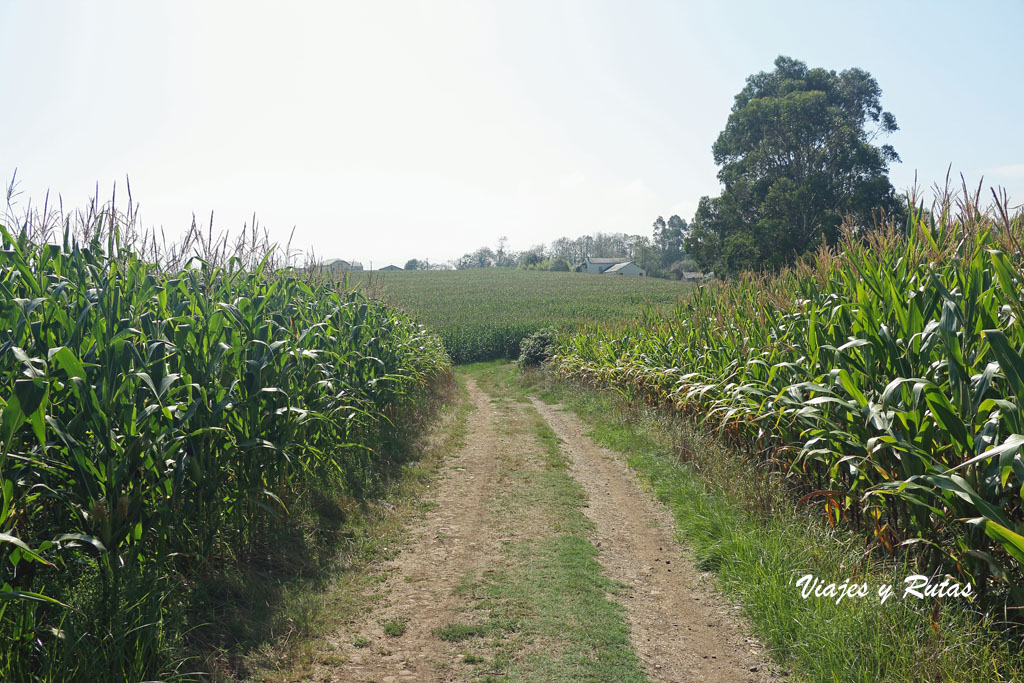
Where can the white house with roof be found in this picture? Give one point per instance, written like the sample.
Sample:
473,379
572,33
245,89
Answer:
611,266
626,268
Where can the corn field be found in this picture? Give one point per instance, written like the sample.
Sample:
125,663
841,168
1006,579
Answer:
153,417
484,313
885,378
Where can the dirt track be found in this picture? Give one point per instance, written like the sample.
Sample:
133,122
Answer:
680,629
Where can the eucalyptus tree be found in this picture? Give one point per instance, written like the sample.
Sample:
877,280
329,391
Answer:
798,155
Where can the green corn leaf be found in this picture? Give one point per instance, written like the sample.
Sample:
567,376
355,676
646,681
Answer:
11,419
1010,447
65,359
8,594
80,539
1009,361
25,550
1010,540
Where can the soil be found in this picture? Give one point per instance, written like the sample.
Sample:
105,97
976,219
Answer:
680,628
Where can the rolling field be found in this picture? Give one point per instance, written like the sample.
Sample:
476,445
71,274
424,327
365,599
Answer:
482,314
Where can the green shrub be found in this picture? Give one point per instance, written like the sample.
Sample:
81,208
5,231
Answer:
536,348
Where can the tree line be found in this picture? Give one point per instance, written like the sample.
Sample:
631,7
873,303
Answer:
798,161
660,253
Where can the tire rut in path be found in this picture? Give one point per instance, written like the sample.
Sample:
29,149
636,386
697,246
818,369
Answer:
680,629
452,542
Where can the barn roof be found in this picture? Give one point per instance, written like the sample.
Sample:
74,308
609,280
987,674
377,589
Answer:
619,266
608,260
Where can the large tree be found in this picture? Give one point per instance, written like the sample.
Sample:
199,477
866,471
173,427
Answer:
668,237
797,156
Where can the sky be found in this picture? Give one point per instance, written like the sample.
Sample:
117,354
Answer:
384,131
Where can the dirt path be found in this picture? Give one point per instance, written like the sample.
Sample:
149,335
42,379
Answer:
483,505
451,542
681,629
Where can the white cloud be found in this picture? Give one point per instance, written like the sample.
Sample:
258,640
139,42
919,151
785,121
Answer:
1010,171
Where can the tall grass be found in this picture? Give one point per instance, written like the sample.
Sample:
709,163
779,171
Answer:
884,377
157,412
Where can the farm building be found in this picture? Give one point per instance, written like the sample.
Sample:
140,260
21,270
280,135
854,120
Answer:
618,266
341,264
392,267
626,268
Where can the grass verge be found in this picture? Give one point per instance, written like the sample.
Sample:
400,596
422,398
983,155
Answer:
758,542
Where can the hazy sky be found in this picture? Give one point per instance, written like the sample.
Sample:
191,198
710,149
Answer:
384,131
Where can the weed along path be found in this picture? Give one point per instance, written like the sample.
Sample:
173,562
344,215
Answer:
539,558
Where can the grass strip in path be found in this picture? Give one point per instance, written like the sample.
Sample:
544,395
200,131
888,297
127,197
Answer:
681,628
549,599
758,543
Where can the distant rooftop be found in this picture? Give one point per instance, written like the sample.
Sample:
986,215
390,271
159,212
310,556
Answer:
622,259
342,264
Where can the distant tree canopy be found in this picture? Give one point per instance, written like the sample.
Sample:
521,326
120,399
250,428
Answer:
796,157
483,257
661,255
668,239
424,264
